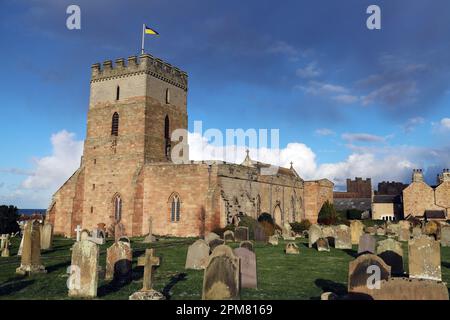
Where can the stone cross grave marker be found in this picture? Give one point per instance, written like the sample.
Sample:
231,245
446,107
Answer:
149,262
78,231
149,238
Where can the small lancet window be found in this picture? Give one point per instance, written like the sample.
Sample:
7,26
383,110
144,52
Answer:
118,93
167,96
115,124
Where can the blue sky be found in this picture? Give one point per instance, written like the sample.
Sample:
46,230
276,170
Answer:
348,101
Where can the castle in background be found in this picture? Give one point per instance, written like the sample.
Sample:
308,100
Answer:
127,175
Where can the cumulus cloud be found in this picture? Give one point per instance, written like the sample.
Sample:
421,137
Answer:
322,88
309,71
412,123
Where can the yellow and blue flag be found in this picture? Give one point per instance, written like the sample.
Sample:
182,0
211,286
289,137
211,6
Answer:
151,31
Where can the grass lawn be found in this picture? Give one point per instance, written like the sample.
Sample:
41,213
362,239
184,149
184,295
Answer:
280,276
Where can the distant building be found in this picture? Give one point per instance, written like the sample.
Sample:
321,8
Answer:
427,202
387,207
390,188
358,195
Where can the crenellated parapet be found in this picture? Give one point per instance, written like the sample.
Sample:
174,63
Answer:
134,65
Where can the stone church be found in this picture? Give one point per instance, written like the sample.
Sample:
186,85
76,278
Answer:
127,176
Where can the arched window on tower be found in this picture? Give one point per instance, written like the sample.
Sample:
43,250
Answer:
167,137
167,96
175,207
117,208
118,93
115,124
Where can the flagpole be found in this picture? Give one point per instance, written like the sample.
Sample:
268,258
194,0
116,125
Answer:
143,33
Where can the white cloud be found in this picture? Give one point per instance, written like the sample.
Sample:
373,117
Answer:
412,123
346,98
309,71
322,88
325,132
362,137
445,123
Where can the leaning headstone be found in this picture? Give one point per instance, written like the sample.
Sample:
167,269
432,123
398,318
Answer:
247,267
248,245
356,230
46,236
211,236
405,289
343,239
291,248
404,232
314,233
445,236
322,245
228,236
31,254
84,270
424,259
367,244
118,262
197,255
215,243
391,252
221,277
362,268
273,240
241,234
149,262
260,234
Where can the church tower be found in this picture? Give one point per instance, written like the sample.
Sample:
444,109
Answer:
133,109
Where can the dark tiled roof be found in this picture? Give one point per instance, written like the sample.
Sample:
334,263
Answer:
386,199
434,214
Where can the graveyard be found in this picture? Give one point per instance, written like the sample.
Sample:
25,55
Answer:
304,274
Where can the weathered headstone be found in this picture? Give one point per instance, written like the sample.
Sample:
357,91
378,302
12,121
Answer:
445,236
149,262
361,273
248,245
356,230
46,236
322,245
404,232
314,233
367,244
84,269
197,255
228,236
19,252
273,240
85,235
291,248
98,237
247,267
118,262
424,259
343,239
241,234
286,232
371,230
393,229
211,236
432,228
416,232
221,277
149,238
31,254
381,231
4,246
260,234
215,243
391,252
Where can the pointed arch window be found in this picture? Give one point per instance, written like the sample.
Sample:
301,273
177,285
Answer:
115,124
167,136
167,96
118,93
117,208
175,208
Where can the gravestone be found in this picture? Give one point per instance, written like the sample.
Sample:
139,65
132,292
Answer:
85,235
314,233
31,253
260,234
361,271
416,232
356,230
424,259
371,230
381,231
405,289
241,234
211,236
149,238
228,236
367,244
149,262
4,246
286,232
445,236
273,240
78,231
215,243
46,236
197,255
84,269
322,245
343,239
221,277
98,237
19,252
248,275
391,252
248,245
404,232
432,228
118,262
291,248
393,229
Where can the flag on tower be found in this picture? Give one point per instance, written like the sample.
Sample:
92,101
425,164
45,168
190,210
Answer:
147,30
150,31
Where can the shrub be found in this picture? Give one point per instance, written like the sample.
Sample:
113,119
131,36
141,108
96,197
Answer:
327,214
299,227
220,231
266,217
8,219
354,214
